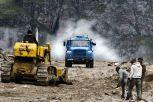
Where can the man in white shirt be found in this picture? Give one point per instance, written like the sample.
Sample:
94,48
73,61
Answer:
135,79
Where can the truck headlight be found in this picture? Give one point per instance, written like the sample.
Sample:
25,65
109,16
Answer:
89,51
69,52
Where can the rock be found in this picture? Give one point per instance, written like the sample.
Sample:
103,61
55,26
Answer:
116,92
106,93
107,99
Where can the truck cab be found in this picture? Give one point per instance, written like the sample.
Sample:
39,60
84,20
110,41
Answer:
79,50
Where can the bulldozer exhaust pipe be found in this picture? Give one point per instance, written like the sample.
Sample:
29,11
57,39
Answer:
37,37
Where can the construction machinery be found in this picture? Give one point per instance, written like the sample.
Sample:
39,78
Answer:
32,62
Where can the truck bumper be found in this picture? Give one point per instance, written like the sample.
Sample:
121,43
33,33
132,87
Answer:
79,61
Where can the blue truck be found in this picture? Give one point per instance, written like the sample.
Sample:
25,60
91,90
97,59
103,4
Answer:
79,50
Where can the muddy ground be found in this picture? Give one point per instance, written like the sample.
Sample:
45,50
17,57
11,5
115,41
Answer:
89,85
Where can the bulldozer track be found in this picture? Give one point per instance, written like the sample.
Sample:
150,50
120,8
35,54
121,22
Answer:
42,75
6,72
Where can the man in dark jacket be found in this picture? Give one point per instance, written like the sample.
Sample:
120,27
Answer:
30,38
143,67
123,79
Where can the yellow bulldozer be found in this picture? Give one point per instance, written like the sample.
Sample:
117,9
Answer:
32,62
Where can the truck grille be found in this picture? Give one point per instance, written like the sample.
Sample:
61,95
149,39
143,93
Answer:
79,53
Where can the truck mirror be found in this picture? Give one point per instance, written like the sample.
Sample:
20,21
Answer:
93,43
64,43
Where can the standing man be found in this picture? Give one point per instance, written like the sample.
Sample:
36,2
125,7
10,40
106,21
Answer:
30,37
140,60
135,79
123,78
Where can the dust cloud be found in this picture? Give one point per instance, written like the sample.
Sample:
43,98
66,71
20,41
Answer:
102,50
8,36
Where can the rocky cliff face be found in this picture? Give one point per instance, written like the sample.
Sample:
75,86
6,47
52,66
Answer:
126,23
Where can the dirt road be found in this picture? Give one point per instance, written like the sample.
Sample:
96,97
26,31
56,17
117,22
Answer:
89,85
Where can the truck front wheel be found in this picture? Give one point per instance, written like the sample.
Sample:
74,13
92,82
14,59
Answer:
68,64
90,64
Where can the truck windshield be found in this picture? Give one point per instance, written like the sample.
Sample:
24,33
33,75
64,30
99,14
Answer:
79,43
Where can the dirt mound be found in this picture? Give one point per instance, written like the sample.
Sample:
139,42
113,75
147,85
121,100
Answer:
96,84
149,78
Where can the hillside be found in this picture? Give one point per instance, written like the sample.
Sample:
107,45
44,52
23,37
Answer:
126,24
